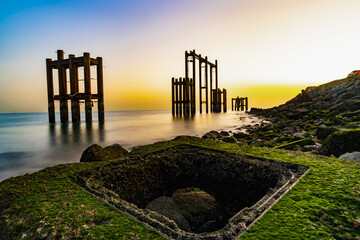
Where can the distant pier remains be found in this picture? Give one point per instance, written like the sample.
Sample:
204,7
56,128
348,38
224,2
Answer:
184,89
72,65
239,104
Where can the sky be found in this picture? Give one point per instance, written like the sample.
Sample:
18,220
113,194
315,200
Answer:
268,50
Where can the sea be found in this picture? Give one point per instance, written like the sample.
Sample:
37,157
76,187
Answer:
28,142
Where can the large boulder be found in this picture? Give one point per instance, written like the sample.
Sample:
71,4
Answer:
211,135
198,207
167,207
95,153
341,142
324,131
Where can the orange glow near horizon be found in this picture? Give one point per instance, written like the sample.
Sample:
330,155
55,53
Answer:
267,50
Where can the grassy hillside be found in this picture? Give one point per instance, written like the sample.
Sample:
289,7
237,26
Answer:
325,204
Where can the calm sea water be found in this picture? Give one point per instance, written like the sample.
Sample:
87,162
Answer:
29,143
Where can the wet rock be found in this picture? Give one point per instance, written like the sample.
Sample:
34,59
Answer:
116,151
95,153
198,207
167,207
300,135
309,148
224,134
324,131
354,156
341,142
241,135
229,139
211,135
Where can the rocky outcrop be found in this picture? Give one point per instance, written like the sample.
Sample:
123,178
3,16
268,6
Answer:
341,142
95,153
315,113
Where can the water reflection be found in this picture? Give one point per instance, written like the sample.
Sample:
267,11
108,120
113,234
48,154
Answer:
65,134
42,144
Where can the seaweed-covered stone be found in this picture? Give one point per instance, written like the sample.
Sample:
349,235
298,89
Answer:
167,207
116,151
211,135
198,207
341,142
296,144
229,139
324,131
224,134
241,135
96,153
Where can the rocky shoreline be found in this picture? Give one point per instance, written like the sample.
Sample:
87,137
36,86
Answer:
321,120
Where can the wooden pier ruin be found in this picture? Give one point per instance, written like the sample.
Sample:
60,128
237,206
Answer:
184,89
71,67
239,104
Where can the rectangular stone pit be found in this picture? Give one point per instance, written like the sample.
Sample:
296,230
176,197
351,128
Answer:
239,187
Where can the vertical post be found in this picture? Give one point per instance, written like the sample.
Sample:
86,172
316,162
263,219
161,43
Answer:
74,85
206,85
172,96
211,90
216,74
100,89
50,88
186,65
177,96
200,84
237,103
224,101
87,80
193,107
180,96
64,115
246,106
242,103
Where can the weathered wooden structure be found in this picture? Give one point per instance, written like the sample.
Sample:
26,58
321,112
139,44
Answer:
239,103
208,85
72,65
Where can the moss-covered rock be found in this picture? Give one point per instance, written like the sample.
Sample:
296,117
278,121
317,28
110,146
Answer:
324,131
300,143
167,207
229,139
198,207
341,142
211,135
96,153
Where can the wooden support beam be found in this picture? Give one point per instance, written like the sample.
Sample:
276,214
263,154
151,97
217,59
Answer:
64,114
100,89
246,103
173,96
180,96
216,75
50,90
87,81
176,97
206,85
211,89
74,89
224,101
200,85
193,106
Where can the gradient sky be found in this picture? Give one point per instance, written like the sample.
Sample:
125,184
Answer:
267,50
